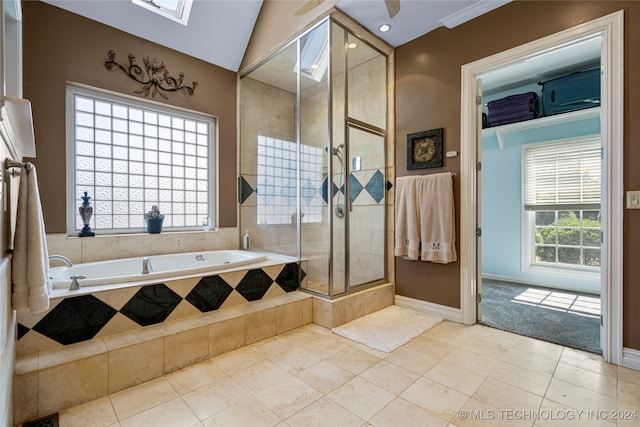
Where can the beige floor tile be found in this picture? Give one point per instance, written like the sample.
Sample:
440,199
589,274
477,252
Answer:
361,397
390,377
434,397
174,413
413,361
503,396
274,387
354,360
589,361
534,382
578,397
456,377
429,346
325,412
246,412
588,379
530,361
400,413
325,376
539,348
495,335
295,360
214,397
628,375
325,346
485,348
553,414
196,376
237,360
142,397
629,392
471,360
97,413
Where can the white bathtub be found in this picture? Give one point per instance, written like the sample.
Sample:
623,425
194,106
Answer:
162,266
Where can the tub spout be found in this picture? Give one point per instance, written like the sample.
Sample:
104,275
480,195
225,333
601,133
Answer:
64,259
146,266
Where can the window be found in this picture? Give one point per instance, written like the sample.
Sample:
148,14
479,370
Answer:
132,154
562,204
277,182
175,10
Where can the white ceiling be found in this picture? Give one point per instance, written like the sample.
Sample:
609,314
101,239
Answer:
219,30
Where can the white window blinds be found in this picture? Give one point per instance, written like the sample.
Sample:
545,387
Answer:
562,175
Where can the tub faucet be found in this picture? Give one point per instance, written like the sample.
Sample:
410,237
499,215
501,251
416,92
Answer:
146,266
75,285
64,259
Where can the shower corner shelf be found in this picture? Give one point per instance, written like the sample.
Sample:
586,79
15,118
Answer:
501,131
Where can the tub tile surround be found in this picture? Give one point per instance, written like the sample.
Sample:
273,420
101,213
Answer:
73,318
109,364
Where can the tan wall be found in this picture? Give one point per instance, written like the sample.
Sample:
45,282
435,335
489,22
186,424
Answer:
428,96
60,46
277,24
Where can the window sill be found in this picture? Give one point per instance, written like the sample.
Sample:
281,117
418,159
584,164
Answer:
564,272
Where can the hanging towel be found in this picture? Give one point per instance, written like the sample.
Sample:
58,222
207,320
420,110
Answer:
437,218
30,266
407,232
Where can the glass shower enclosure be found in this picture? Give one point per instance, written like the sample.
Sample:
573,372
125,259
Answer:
312,179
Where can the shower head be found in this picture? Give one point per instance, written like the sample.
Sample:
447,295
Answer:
336,151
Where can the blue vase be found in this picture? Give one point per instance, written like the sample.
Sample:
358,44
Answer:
154,225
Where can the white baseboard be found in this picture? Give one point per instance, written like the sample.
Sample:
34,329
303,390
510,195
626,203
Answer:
630,358
448,313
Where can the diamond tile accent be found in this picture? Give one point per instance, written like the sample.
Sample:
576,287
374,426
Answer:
354,187
254,284
151,304
375,186
22,330
75,319
308,191
288,278
209,294
389,185
245,189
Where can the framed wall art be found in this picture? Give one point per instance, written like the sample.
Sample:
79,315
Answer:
424,149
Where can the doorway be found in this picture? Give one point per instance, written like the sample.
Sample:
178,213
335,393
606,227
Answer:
611,30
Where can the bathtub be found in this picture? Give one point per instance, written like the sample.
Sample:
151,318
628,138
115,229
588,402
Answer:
162,266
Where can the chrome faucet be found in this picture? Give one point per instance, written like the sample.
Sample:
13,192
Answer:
64,259
75,285
146,266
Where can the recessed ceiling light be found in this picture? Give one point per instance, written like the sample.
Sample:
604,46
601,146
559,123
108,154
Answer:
384,28
353,45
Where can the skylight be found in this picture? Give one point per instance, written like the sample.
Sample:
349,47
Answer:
176,10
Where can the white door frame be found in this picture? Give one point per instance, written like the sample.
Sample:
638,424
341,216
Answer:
612,108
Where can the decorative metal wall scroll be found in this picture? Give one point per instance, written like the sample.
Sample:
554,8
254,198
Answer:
155,77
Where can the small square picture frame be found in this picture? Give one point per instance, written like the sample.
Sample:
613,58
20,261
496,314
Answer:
424,149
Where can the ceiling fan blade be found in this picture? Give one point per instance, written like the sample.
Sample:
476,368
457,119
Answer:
393,6
308,7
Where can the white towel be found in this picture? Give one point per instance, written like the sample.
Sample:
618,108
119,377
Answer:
407,232
30,266
437,218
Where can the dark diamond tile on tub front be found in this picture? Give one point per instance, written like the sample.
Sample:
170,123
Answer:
75,319
254,284
209,294
151,304
22,330
288,278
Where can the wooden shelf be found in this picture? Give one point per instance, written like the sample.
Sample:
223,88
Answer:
501,131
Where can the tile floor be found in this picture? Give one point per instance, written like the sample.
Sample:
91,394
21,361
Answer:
452,375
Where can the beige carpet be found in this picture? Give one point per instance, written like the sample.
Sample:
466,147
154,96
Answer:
387,329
